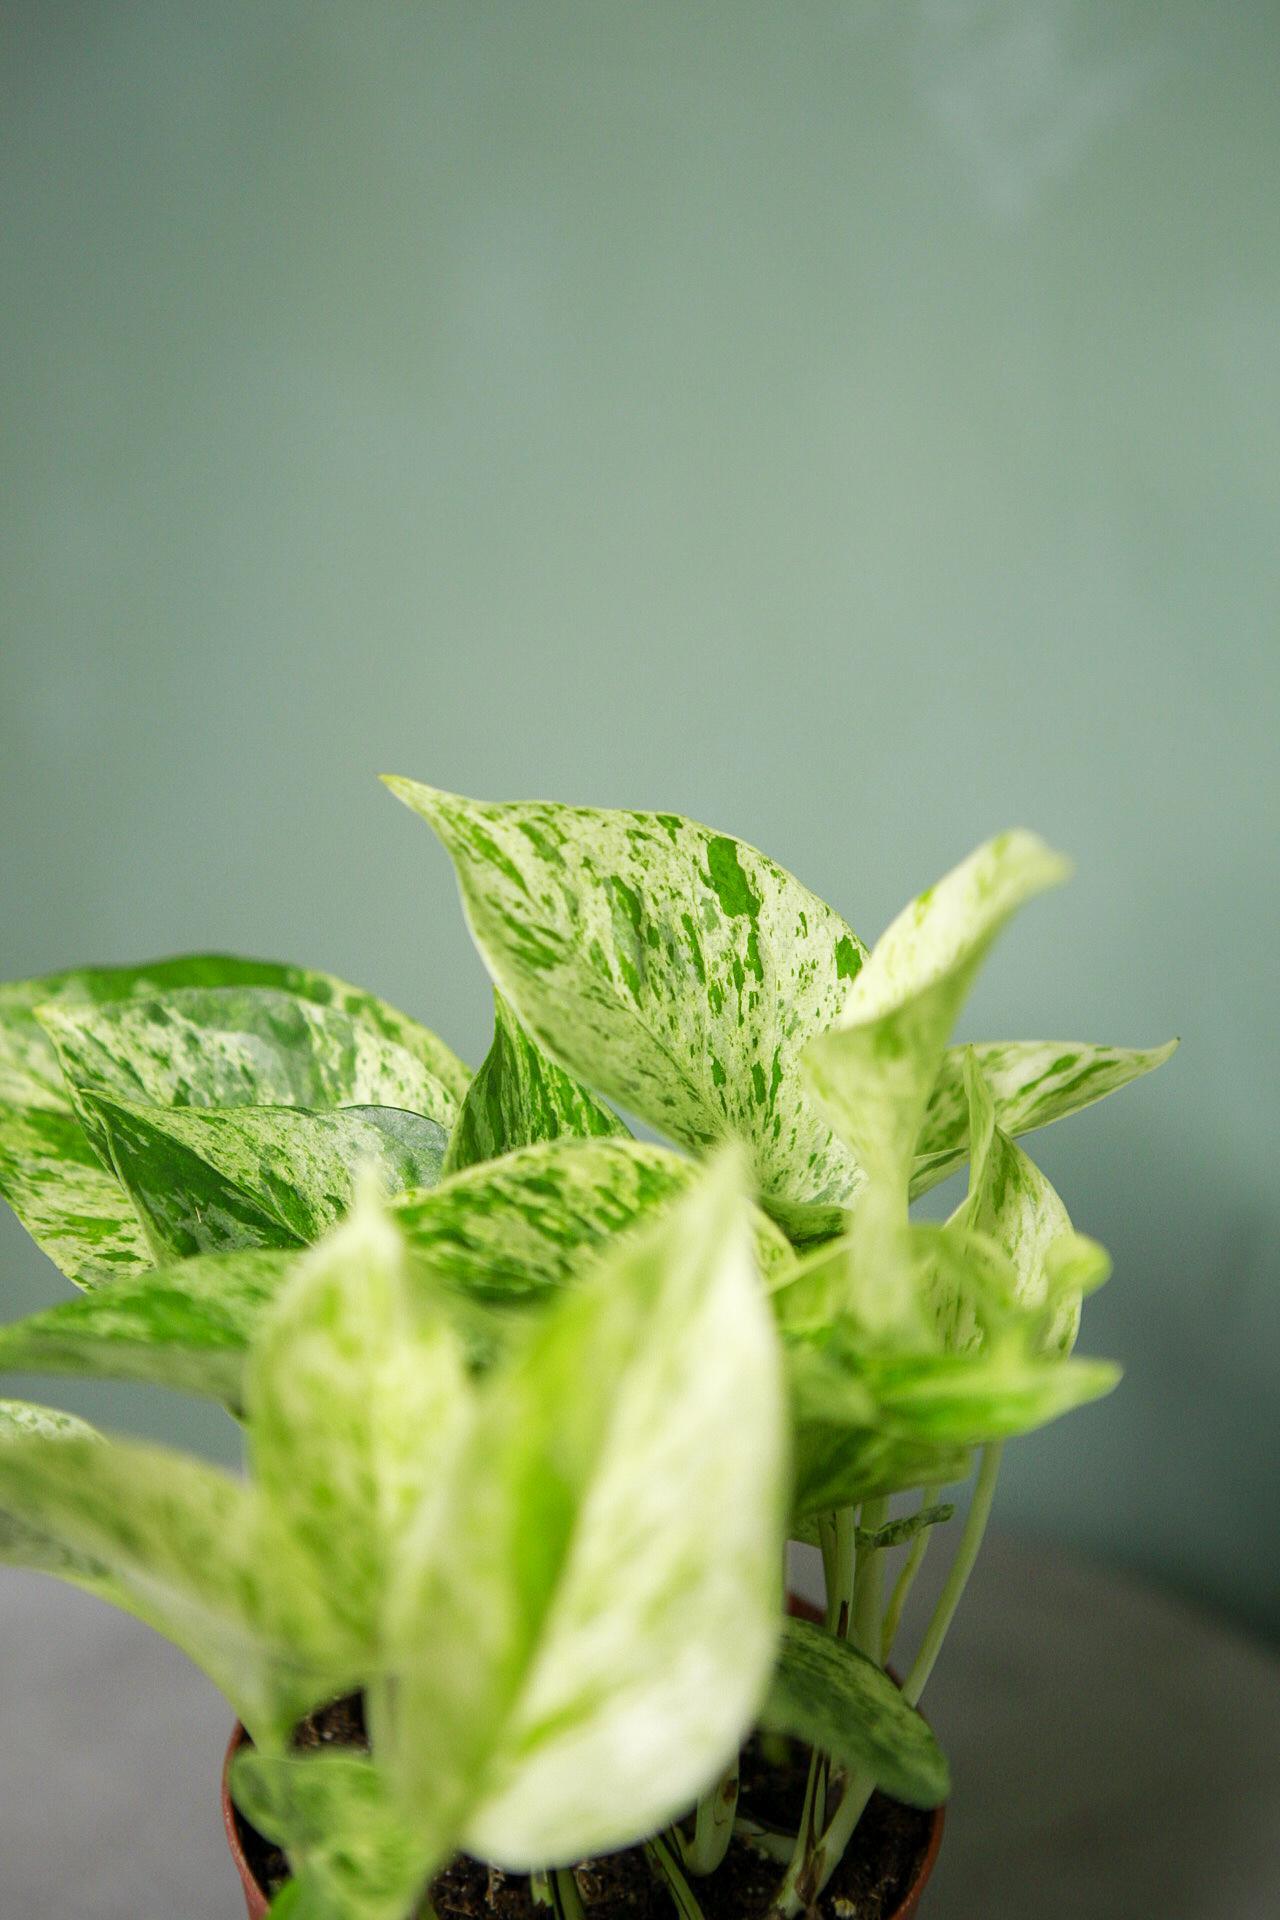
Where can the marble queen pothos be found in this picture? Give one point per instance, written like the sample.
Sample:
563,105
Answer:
531,1407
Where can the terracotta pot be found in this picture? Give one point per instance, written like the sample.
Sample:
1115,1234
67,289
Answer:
256,1902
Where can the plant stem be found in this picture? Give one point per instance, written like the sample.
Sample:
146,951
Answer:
867,1591
566,1901
665,1864
827,1850
772,1842
961,1567
904,1583
712,1826
540,1887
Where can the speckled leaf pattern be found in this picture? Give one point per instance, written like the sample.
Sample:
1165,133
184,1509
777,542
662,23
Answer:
1013,1204
192,1552
512,1229
677,971
73,1208
1032,1083
355,1403
211,1180
520,1096
355,1856
234,1047
829,1695
22,1545
644,1428
875,1069
186,1326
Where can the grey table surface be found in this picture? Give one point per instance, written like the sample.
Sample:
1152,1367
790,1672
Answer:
1116,1756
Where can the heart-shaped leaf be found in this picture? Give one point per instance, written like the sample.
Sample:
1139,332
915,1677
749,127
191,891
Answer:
677,971
71,1205
355,1400
643,1426
193,1552
353,1853
520,1096
1032,1082
874,1070
828,1694
236,1047
211,1180
513,1228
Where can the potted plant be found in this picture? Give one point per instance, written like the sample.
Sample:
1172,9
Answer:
531,1407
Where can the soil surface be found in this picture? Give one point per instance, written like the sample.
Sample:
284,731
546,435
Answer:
869,1884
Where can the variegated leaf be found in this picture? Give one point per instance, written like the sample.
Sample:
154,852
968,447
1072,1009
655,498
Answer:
355,1402
516,1227
186,1326
212,1180
643,1428
829,1695
347,1840
22,1545
1013,1204
1032,1083
236,1047
874,1070
192,1551
74,1209
520,1096
968,1399
677,971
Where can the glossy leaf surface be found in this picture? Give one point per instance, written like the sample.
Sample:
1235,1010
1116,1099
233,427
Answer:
519,1097
643,1426
1033,1082
211,1180
829,1695
677,971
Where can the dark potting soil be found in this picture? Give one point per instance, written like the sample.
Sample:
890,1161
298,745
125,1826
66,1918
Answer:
869,1884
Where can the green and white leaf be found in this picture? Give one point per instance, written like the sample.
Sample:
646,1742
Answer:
675,970
355,1856
22,1545
829,1695
236,1047
187,1326
875,1069
74,1210
514,1228
1012,1203
643,1427
56,1185
192,1551
1033,1082
520,1096
212,1180
356,1403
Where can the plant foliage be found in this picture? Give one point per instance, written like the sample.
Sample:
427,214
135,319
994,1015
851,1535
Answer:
531,1406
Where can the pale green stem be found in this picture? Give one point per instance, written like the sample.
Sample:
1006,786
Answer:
828,1851
540,1887
867,1592
962,1566
712,1826
772,1842
566,1901
837,1536
664,1861
905,1581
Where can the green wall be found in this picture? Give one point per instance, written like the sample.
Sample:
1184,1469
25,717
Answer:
858,426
